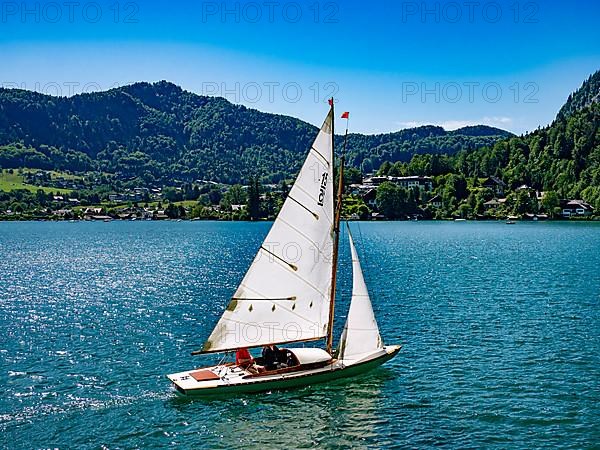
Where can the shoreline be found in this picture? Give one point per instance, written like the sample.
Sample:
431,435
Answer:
560,220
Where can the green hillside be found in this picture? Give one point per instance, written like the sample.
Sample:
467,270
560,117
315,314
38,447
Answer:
159,133
562,159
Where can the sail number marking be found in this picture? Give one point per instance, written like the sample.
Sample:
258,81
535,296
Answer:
322,189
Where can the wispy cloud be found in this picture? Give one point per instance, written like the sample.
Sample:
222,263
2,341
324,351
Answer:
453,124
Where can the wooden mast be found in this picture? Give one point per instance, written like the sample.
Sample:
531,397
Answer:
336,238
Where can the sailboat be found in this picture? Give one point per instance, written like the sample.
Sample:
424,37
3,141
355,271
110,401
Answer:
288,296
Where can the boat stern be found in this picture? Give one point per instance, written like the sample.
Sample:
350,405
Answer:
193,380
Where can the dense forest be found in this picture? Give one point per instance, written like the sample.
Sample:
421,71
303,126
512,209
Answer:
160,133
367,152
145,144
562,159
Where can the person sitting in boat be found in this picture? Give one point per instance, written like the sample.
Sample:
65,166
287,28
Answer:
271,355
290,360
244,359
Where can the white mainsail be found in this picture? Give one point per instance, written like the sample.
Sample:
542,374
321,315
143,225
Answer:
284,296
360,337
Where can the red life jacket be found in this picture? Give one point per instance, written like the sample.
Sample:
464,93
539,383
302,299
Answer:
242,356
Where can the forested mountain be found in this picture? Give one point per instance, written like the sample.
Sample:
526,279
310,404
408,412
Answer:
563,158
367,152
588,93
159,132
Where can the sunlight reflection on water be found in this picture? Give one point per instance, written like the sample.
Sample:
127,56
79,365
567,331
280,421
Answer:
500,327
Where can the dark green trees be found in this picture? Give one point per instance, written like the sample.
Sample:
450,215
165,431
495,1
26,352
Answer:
254,198
159,132
395,202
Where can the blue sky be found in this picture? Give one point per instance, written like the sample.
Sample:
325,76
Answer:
395,64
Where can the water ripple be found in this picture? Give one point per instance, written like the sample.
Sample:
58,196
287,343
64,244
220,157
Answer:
500,327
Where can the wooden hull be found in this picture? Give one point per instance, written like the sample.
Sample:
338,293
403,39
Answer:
334,371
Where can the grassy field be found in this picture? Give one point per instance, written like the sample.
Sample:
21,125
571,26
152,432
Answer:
189,204
55,174
14,181
185,203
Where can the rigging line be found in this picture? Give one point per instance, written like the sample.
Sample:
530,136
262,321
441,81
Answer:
345,235
362,244
310,241
312,197
314,214
232,349
274,301
225,355
322,157
292,266
307,283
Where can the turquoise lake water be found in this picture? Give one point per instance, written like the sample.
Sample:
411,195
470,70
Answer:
500,327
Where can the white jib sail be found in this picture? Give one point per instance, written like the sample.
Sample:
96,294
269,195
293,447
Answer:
360,337
284,296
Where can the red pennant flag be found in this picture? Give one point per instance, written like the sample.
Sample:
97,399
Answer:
346,115
330,102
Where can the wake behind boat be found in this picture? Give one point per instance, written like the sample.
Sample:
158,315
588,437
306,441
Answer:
288,296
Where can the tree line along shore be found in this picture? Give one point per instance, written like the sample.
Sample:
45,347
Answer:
385,195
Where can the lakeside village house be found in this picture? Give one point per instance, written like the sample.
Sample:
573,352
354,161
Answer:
125,214
569,208
576,208
368,191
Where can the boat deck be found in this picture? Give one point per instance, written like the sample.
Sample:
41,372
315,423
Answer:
229,378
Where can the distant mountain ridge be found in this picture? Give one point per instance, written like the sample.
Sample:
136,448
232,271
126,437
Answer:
586,95
158,131
369,151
